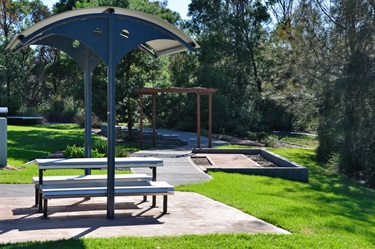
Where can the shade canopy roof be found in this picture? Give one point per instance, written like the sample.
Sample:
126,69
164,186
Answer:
90,26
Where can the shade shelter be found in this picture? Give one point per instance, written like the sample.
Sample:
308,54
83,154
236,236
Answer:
104,34
199,91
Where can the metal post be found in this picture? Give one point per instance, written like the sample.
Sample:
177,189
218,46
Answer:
209,121
141,120
111,118
88,108
154,119
198,120
3,142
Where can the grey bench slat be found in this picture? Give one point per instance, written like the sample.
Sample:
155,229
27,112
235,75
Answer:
85,184
148,187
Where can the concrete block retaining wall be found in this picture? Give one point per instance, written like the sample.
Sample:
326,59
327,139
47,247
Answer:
286,169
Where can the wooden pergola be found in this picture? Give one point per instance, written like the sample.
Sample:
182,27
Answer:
197,90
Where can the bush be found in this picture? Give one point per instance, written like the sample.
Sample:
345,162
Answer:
60,110
13,103
79,152
80,120
257,136
74,152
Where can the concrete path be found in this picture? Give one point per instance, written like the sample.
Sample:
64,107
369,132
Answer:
189,213
178,168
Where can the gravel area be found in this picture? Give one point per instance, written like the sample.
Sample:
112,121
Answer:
203,161
261,161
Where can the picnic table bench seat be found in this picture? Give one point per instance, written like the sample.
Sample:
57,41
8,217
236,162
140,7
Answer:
153,188
90,180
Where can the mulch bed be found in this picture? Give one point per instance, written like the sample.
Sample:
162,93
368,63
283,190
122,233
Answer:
203,161
261,161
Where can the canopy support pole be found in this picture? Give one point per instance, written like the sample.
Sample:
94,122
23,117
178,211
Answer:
154,119
88,107
198,120
209,120
141,120
111,119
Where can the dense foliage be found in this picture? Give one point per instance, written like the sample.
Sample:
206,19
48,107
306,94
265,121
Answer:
276,65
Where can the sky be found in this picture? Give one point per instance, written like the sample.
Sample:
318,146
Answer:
180,6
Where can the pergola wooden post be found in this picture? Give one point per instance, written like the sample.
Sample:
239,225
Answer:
198,120
209,120
197,90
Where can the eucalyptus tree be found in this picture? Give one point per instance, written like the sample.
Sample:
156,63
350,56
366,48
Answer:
19,74
296,57
231,34
348,109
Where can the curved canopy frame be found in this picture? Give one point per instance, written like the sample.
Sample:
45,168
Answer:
104,34
131,29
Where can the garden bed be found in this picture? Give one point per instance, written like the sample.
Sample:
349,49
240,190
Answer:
252,162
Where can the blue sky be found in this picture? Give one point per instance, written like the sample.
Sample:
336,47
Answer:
181,6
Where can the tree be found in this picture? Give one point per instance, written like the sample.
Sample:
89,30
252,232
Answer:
296,58
18,72
348,109
231,35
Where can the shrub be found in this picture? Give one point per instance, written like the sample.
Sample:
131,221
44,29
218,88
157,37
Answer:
79,152
80,120
60,110
74,152
120,152
257,136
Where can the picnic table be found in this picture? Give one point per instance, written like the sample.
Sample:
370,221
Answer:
61,190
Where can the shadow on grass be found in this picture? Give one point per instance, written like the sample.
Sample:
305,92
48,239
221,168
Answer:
71,244
330,204
337,196
59,126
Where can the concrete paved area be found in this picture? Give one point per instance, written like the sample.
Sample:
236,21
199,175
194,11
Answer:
178,168
190,213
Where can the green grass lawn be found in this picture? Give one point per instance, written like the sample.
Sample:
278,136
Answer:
308,141
26,143
331,211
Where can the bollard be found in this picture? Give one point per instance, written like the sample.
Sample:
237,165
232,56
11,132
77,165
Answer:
3,142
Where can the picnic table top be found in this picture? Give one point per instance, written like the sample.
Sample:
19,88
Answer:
99,162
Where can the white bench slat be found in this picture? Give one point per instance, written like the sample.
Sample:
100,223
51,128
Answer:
93,180
118,177
146,188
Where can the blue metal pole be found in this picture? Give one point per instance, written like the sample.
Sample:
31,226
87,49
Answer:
88,107
111,118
